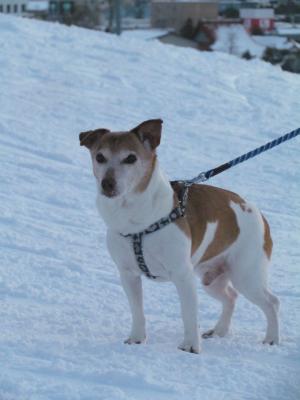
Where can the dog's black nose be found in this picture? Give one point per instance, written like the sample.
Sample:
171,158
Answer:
108,184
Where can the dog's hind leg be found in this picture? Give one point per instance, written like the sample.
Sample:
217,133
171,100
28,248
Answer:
248,263
252,284
220,289
269,304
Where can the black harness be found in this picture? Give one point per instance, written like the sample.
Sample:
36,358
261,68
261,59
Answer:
181,189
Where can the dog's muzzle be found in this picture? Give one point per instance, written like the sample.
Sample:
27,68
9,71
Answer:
108,186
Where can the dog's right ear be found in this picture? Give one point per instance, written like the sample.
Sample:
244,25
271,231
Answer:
89,138
149,132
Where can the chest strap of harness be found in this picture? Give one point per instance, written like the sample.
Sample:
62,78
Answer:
137,238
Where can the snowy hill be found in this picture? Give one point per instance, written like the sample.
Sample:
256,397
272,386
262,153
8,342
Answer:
63,312
234,39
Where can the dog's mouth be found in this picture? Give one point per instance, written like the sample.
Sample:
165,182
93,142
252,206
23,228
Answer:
109,193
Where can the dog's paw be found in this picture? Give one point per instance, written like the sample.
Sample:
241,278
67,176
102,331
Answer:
220,331
134,341
271,342
271,339
208,334
190,347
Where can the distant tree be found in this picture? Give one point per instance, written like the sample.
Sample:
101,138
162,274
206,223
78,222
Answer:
257,31
247,55
274,56
231,12
204,36
288,59
289,8
111,15
268,55
188,30
86,15
139,9
291,62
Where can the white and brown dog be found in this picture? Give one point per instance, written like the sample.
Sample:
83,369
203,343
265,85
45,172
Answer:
222,238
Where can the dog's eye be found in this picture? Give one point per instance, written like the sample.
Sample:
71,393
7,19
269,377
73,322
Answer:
100,158
131,159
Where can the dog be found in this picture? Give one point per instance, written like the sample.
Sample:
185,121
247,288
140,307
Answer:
221,238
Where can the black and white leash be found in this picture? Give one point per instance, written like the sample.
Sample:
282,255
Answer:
204,176
179,211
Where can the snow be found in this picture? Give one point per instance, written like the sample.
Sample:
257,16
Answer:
260,13
273,41
288,31
63,312
131,23
144,34
280,24
234,39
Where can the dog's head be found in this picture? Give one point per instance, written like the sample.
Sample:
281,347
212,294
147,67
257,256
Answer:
123,161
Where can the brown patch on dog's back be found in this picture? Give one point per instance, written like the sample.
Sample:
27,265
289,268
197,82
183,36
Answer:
268,242
210,204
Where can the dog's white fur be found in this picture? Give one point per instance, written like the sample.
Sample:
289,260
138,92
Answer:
165,258
168,254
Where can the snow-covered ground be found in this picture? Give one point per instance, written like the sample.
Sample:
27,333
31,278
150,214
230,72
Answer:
144,34
276,42
63,314
234,39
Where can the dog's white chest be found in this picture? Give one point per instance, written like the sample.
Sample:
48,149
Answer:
164,251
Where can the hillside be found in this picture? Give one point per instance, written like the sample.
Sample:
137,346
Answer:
63,314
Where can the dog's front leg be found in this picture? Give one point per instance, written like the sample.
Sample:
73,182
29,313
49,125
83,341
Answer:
186,288
133,288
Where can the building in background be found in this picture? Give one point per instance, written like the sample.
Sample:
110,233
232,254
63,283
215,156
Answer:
258,20
38,9
16,7
84,13
175,14
58,8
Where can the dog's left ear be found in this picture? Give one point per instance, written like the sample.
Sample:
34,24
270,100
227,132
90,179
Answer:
149,131
88,138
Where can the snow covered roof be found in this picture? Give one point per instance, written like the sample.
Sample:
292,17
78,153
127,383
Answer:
37,5
276,42
288,31
257,13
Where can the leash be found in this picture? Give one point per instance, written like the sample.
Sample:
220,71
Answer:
179,211
204,176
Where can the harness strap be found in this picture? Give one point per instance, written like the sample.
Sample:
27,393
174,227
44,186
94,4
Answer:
137,238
